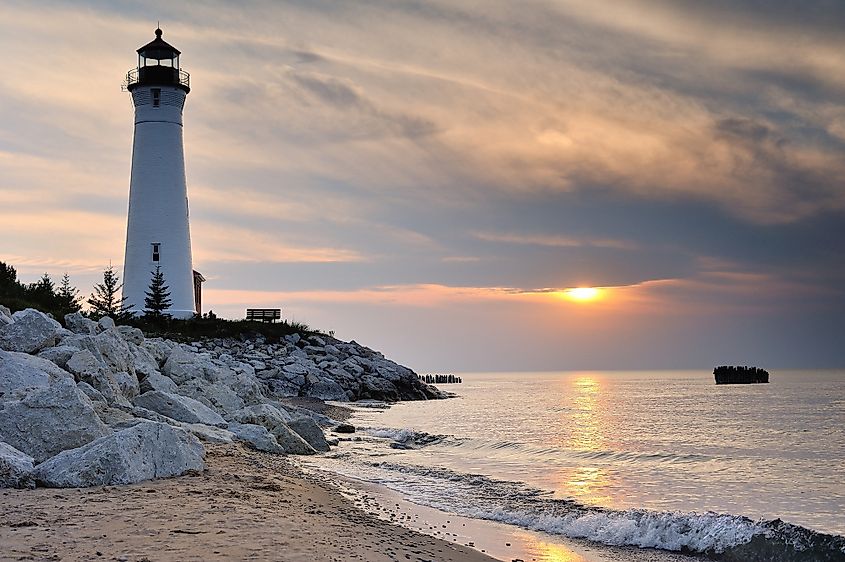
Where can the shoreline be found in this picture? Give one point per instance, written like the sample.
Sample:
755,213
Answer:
246,505
501,541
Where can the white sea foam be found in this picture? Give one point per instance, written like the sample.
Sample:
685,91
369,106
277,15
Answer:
404,438
709,532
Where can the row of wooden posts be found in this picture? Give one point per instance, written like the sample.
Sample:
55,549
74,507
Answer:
440,379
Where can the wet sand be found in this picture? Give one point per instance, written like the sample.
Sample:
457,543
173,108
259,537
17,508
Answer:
503,542
247,506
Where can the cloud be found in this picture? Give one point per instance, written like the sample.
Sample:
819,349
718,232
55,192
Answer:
553,241
454,152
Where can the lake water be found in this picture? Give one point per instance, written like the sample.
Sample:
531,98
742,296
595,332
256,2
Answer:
653,459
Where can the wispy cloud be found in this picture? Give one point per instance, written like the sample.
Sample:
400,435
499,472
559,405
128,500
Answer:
394,154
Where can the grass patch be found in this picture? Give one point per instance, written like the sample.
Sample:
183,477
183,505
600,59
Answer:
206,328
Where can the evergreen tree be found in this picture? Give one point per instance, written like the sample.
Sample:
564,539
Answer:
105,301
68,296
42,290
157,298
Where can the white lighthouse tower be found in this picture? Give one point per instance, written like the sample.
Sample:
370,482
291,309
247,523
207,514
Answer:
157,233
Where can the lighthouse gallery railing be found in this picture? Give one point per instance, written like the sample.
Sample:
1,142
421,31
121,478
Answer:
168,74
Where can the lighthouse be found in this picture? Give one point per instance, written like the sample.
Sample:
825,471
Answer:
158,233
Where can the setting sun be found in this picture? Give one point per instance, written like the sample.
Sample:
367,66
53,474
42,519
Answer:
582,293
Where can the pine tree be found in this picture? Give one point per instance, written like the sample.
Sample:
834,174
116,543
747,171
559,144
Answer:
104,300
43,289
68,296
157,298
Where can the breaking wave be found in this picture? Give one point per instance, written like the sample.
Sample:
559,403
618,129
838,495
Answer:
715,536
404,438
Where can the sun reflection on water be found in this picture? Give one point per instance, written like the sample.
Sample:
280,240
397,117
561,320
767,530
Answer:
543,551
586,481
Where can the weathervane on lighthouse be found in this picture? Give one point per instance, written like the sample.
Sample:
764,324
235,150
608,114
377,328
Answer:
158,233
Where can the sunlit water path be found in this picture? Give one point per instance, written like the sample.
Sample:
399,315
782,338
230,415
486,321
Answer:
541,450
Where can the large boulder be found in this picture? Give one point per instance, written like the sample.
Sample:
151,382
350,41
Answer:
273,420
327,389
159,349
208,433
310,432
108,348
78,324
214,395
131,335
47,420
261,414
5,316
180,408
183,365
144,451
30,332
15,468
257,437
88,368
58,355
157,381
128,384
143,361
20,371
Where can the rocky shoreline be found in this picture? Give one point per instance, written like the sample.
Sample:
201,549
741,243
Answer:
92,403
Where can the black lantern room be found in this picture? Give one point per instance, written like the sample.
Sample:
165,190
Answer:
158,65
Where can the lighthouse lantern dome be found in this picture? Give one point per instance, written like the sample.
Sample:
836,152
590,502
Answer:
158,65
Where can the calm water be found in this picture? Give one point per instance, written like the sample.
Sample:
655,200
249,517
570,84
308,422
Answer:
650,449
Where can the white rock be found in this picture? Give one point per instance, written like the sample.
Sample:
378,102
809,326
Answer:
30,332
58,355
157,381
257,437
328,389
19,371
214,395
262,414
48,420
88,368
15,468
180,408
310,432
92,393
131,335
160,349
106,323
248,387
146,414
209,434
108,348
78,324
273,419
128,385
5,316
182,365
144,451
142,361
295,369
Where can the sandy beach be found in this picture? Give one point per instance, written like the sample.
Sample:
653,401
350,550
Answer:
246,506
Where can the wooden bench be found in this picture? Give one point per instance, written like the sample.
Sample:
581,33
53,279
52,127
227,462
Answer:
264,314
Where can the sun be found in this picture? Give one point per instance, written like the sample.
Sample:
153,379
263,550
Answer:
582,294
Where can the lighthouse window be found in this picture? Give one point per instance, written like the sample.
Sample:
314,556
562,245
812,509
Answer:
156,97
156,254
